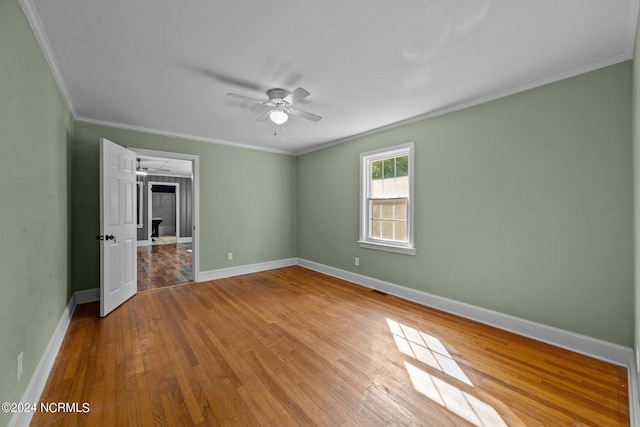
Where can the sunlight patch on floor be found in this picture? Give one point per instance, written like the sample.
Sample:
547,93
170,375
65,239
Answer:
457,401
425,348
429,350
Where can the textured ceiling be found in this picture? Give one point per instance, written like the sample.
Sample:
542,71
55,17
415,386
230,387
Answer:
167,66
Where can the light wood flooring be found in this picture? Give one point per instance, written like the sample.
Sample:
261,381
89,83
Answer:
164,265
292,347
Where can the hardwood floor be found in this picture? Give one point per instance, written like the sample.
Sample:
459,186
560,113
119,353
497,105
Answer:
164,265
295,347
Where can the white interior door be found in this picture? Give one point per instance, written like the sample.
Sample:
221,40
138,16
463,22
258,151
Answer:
118,275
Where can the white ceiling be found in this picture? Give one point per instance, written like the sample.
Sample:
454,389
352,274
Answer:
166,66
164,166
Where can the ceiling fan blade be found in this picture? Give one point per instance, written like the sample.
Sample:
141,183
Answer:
263,116
246,98
304,114
296,95
227,79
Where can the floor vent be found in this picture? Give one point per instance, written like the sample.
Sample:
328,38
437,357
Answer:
375,291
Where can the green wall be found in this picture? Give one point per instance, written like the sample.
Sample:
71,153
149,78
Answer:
248,200
36,138
523,206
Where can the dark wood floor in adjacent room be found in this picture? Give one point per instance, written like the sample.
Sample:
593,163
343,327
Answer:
160,266
291,347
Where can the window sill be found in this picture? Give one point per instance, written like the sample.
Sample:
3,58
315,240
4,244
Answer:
386,247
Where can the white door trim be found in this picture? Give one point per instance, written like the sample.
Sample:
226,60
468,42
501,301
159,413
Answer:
195,169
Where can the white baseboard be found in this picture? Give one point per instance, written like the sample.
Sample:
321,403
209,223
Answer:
89,295
184,240
41,373
634,403
593,347
141,243
246,269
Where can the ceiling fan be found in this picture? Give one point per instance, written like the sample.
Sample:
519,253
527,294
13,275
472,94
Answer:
280,105
144,171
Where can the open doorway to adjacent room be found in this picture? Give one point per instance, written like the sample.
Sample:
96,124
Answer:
167,218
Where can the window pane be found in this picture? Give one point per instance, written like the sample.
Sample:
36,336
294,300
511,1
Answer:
377,188
387,209
402,186
389,168
388,187
400,228
387,230
376,227
376,170
402,166
401,209
376,209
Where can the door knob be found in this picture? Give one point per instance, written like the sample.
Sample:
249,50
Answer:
107,237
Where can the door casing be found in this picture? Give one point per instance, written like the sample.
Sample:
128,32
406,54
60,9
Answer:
195,171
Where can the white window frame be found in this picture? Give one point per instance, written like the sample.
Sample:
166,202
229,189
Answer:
365,181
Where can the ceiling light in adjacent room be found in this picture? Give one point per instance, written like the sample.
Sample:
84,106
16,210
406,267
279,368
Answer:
139,170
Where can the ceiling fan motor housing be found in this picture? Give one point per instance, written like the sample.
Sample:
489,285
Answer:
277,94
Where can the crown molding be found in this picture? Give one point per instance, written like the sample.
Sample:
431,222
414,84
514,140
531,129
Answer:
472,102
632,27
178,135
36,26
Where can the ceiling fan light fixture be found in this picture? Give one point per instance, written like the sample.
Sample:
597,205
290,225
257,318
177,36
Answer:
278,116
281,105
139,170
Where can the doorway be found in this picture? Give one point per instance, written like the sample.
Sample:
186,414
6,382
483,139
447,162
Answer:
168,201
164,202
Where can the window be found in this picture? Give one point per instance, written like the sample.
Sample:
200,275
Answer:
386,199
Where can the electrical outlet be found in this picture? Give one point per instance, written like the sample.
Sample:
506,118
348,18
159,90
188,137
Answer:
20,359
357,261
230,256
